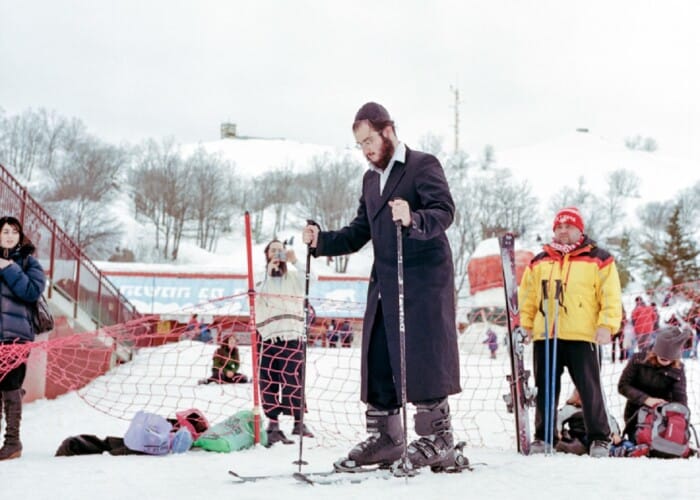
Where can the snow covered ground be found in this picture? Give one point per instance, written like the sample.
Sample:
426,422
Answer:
499,472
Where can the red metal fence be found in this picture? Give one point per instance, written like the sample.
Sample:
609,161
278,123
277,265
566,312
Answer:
71,273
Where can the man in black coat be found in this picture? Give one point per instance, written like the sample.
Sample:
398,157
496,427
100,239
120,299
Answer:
410,187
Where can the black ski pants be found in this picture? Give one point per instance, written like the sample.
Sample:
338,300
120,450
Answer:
280,378
582,362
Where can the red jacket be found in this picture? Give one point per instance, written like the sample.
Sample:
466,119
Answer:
644,318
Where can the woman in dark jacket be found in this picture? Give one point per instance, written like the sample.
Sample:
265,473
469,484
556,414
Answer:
22,281
654,377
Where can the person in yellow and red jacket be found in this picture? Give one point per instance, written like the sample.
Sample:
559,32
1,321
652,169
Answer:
589,311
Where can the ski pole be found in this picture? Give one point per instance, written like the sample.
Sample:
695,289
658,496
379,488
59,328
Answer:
598,354
304,337
402,344
558,295
547,373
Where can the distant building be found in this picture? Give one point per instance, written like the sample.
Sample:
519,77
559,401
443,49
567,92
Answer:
228,130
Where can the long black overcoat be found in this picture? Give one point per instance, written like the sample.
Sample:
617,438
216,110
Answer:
432,357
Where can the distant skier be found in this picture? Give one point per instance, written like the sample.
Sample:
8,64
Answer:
492,342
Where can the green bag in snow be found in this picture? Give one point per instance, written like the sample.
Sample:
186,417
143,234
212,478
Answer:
233,434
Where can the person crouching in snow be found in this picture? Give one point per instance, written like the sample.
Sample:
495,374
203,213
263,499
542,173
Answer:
226,363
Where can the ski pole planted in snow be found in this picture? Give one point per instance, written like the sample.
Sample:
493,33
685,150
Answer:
558,300
304,339
402,345
548,438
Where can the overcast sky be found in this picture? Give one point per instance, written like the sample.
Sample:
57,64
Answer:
526,70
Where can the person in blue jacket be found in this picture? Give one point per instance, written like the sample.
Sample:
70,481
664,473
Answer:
22,282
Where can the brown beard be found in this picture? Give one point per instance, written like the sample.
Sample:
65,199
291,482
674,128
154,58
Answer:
385,154
280,271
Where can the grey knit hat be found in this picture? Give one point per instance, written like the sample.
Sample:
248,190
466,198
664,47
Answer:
669,343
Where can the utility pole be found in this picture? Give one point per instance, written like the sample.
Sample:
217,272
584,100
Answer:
455,91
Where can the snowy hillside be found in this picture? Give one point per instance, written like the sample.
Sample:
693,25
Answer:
552,165
255,156
548,167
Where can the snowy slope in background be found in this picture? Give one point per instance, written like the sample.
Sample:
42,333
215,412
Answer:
255,156
548,167
552,165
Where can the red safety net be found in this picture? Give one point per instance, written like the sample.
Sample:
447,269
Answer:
162,366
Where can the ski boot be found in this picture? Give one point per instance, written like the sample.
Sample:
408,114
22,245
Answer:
383,446
435,448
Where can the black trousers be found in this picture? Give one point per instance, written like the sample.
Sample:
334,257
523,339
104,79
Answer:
582,362
13,379
618,340
381,391
280,378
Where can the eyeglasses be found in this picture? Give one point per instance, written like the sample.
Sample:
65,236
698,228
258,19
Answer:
369,141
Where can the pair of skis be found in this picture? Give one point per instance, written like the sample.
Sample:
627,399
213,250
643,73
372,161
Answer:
520,397
343,474
319,477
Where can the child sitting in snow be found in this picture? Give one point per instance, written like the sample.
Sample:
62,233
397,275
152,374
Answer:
225,364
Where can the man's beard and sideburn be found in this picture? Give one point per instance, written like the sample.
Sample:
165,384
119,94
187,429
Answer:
280,271
385,154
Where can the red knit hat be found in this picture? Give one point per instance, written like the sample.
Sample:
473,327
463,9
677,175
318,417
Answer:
569,215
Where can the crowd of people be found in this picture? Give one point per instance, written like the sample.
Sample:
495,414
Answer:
570,305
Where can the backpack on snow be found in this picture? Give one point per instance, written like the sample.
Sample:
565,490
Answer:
193,420
148,433
665,430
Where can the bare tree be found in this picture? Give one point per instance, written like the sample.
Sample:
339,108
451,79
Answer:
81,184
622,184
328,193
433,144
488,156
256,200
212,195
488,203
281,194
34,140
274,189
639,143
159,182
689,203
